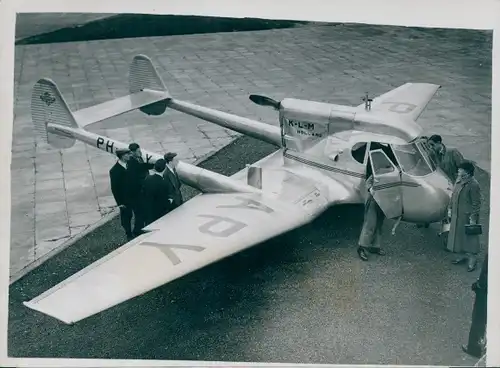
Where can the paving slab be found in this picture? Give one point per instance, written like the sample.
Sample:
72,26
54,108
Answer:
329,63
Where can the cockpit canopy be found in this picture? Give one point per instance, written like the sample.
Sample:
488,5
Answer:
414,159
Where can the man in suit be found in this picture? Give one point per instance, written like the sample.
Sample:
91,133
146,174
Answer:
479,313
172,180
119,188
137,171
155,194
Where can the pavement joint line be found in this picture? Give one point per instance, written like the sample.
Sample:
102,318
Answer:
91,228
39,261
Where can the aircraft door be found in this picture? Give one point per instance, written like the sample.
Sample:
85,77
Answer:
386,188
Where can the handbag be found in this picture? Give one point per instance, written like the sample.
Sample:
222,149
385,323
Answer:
475,229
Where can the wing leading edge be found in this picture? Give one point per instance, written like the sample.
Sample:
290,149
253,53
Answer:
205,229
408,100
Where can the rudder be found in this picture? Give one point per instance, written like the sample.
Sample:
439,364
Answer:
144,76
48,106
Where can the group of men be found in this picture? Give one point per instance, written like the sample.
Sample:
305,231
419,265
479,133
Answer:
140,194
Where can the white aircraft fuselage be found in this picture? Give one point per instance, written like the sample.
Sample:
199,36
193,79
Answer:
339,162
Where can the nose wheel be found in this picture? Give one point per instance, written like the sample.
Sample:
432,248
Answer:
425,225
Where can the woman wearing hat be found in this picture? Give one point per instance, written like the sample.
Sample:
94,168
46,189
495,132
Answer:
465,205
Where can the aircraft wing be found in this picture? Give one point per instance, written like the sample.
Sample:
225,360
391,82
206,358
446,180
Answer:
408,100
205,229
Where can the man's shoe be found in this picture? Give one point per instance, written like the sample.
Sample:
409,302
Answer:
378,251
362,254
475,354
471,264
471,267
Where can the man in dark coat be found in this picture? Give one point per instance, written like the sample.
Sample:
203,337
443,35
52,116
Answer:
137,171
172,180
155,194
119,188
479,314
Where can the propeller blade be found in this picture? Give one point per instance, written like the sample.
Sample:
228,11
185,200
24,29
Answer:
265,101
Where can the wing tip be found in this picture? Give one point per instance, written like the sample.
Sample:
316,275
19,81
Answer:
33,306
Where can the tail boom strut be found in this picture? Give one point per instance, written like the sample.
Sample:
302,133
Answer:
204,180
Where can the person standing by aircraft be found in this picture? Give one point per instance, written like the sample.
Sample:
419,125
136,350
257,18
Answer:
155,193
172,180
477,330
118,179
371,232
137,171
448,159
465,205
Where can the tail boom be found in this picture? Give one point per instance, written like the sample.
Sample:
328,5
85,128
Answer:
264,132
204,180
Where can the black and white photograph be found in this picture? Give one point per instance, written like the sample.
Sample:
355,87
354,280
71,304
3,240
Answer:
242,189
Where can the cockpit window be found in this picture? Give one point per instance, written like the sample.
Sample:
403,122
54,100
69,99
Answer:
428,152
411,160
381,163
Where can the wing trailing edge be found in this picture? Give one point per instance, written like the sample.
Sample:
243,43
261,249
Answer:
208,228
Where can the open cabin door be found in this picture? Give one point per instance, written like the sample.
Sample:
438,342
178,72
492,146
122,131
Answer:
386,189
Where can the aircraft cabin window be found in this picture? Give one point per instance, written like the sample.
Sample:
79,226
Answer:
358,152
411,160
387,150
427,151
381,164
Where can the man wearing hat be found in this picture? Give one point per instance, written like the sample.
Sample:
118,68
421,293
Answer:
119,188
172,179
448,159
137,171
155,193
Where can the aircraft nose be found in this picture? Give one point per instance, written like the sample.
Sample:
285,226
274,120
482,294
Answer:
429,201
442,201
443,190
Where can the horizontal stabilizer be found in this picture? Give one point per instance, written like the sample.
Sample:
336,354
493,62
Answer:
109,109
147,92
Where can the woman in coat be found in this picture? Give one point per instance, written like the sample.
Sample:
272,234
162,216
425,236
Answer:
464,209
